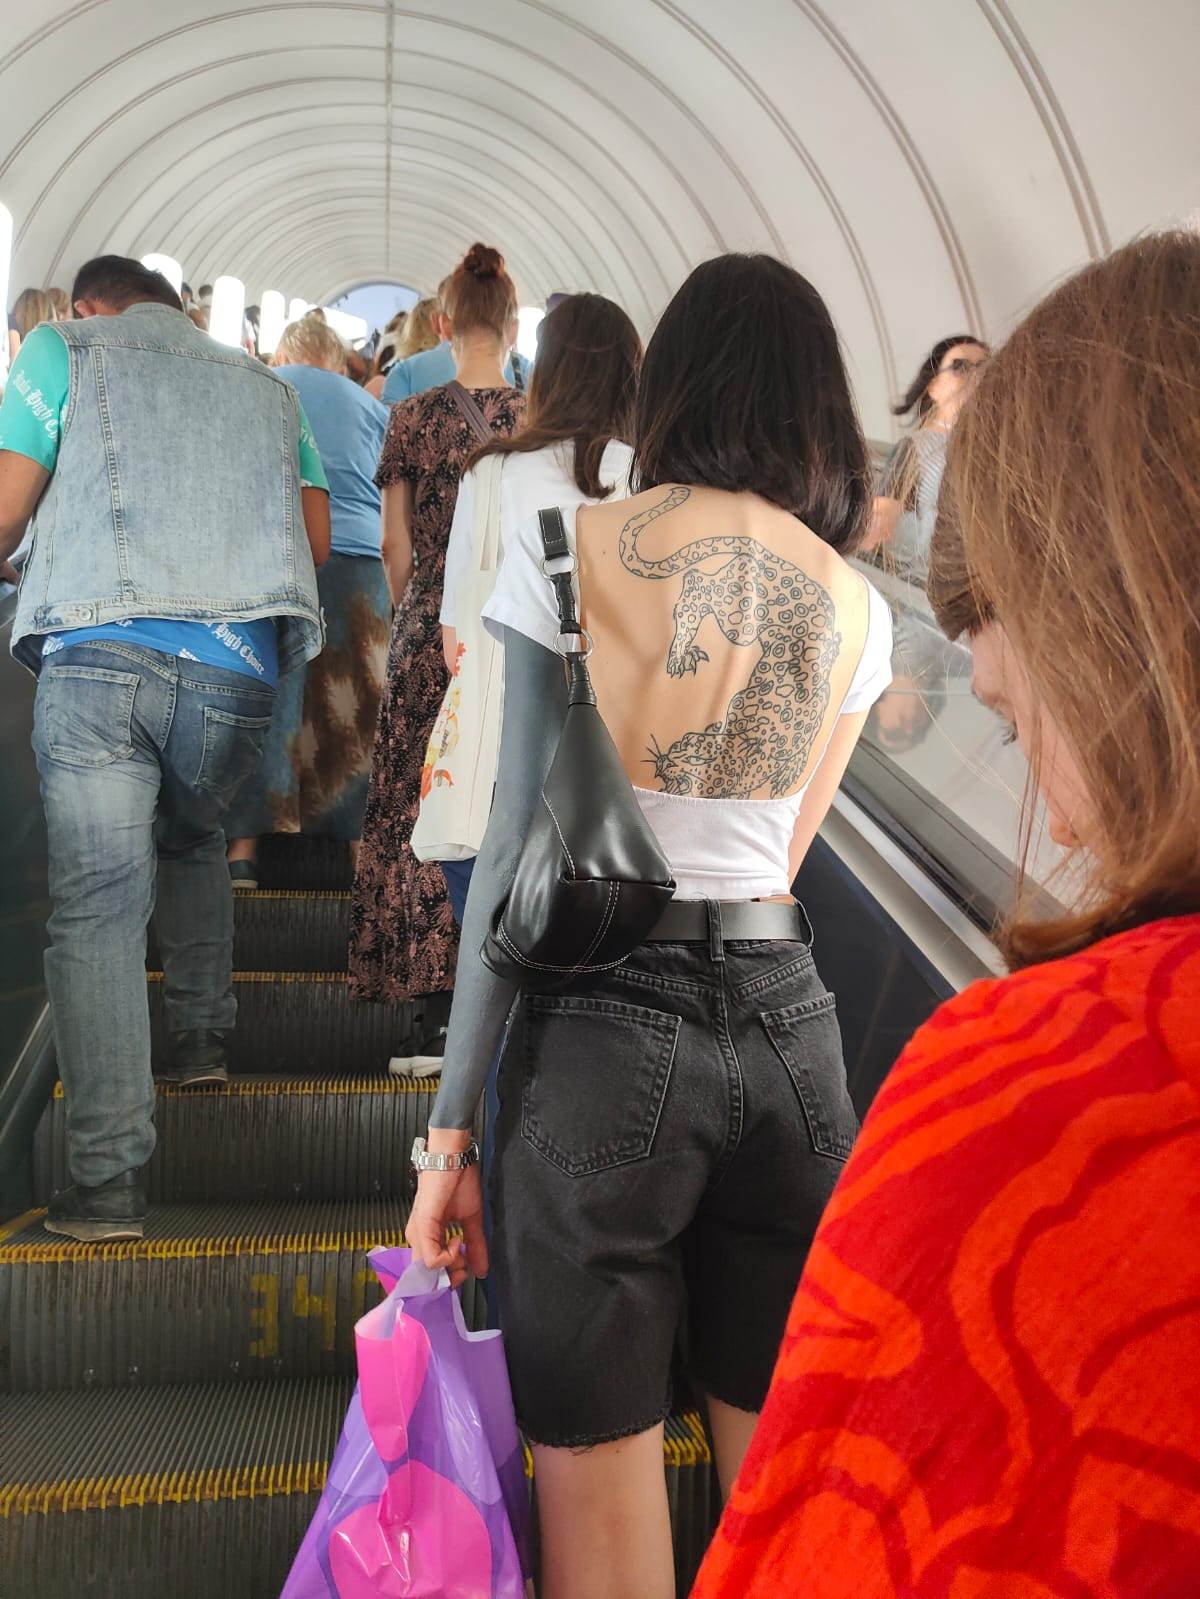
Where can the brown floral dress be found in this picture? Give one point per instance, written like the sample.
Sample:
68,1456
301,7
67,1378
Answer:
403,941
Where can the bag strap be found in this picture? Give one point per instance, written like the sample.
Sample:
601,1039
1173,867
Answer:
557,553
471,414
518,373
485,535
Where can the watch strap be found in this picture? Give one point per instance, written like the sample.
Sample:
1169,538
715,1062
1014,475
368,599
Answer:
424,1160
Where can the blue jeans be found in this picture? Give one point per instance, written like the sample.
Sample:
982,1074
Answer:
139,755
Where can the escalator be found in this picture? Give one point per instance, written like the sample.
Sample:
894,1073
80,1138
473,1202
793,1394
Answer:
169,1407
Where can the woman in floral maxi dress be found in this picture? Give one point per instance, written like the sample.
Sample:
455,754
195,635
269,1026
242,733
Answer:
403,941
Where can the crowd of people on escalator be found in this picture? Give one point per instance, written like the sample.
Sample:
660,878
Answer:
949,1353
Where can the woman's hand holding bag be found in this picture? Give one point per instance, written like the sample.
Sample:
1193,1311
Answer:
445,1198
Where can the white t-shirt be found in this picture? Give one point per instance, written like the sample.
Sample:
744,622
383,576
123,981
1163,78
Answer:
718,848
529,484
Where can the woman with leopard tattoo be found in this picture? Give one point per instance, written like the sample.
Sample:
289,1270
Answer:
669,1134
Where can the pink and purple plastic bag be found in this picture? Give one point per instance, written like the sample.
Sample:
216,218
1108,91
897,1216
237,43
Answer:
427,1494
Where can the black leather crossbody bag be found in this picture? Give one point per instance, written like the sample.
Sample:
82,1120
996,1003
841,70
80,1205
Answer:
591,879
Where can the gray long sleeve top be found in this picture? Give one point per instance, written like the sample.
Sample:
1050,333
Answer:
535,704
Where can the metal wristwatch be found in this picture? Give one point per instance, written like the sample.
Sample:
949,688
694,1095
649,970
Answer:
424,1161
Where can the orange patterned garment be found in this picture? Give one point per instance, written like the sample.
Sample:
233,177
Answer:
989,1387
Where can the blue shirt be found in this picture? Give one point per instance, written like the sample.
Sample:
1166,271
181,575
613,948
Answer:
30,424
430,370
349,426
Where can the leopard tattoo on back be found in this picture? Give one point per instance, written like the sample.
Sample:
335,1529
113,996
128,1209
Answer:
756,598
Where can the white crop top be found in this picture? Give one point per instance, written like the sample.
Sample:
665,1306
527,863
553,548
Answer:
718,848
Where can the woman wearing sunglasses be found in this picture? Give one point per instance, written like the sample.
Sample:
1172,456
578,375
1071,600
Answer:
908,491
905,509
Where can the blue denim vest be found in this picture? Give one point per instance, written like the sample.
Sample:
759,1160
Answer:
176,492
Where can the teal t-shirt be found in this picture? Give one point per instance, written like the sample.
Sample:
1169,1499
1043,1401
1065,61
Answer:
30,422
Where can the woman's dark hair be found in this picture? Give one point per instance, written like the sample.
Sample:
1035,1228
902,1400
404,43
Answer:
479,296
120,281
743,388
917,394
583,387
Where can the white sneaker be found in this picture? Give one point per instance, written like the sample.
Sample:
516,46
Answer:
415,1065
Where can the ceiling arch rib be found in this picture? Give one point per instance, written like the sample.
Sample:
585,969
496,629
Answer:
174,172
225,63
319,207
900,133
555,66
498,209
316,264
1058,130
834,206
299,214
630,289
71,16
291,169
620,145
158,86
72,167
674,207
297,246
591,224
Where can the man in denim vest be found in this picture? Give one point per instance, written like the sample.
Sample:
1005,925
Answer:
168,483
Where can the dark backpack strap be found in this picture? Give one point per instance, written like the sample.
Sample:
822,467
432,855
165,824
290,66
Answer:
471,414
518,373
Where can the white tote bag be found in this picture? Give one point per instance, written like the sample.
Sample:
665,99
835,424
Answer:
460,761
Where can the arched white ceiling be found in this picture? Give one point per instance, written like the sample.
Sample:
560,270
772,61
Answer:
932,165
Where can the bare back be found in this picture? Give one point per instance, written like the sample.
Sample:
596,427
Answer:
727,635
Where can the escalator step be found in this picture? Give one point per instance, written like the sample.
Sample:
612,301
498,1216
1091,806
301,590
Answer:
212,1293
289,860
283,931
206,1490
202,1492
693,1494
296,1023
265,1138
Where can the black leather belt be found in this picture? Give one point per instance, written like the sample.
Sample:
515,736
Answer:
695,921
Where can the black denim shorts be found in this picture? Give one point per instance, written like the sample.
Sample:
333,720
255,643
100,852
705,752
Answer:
667,1141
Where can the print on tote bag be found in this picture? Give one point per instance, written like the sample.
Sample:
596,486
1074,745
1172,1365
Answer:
460,760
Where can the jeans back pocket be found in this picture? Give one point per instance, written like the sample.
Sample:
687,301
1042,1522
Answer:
233,747
808,1041
596,1073
84,714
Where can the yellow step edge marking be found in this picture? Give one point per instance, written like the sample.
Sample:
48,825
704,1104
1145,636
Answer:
275,977
51,1251
232,1482
298,1087
294,893
308,1087
162,1487
19,1223
702,1454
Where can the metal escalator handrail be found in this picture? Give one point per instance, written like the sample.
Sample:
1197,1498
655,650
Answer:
28,1071
26,1088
